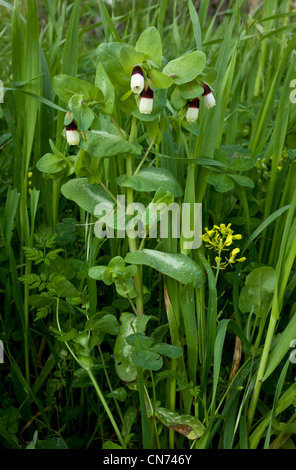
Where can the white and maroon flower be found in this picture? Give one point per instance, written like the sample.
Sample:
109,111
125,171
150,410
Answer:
137,80
146,101
72,134
192,111
208,97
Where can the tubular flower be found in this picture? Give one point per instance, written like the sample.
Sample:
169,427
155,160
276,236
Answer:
146,101
72,134
137,80
208,97
192,111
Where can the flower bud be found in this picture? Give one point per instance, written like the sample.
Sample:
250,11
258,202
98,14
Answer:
208,97
137,80
146,101
192,111
72,134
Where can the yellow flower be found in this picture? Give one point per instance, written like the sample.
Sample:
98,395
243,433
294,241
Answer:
228,240
233,258
219,238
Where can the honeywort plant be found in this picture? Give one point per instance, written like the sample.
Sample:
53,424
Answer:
148,342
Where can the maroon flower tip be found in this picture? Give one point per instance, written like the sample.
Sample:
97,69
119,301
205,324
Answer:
207,89
194,103
137,69
71,127
147,93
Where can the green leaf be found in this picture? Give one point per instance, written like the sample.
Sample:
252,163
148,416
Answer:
81,112
97,272
221,182
126,95
195,24
243,181
126,288
153,131
151,179
244,302
64,337
9,419
129,57
111,445
159,79
82,378
188,308
139,341
282,345
147,359
86,362
177,99
103,144
86,195
187,425
66,86
265,224
129,272
235,157
63,287
51,443
185,68
106,324
107,22
103,82
119,394
109,56
83,163
210,74
178,266
190,90
167,350
50,163
150,43
65,231
261,283
130,324
129,418
191,127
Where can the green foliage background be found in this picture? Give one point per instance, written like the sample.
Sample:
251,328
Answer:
121,343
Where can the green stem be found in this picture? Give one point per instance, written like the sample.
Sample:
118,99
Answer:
132,241
261,370
144,417
218,268
106,407
55,201
110,387
153,408
173,390
26,324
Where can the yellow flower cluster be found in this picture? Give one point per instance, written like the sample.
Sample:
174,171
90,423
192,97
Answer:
219,238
